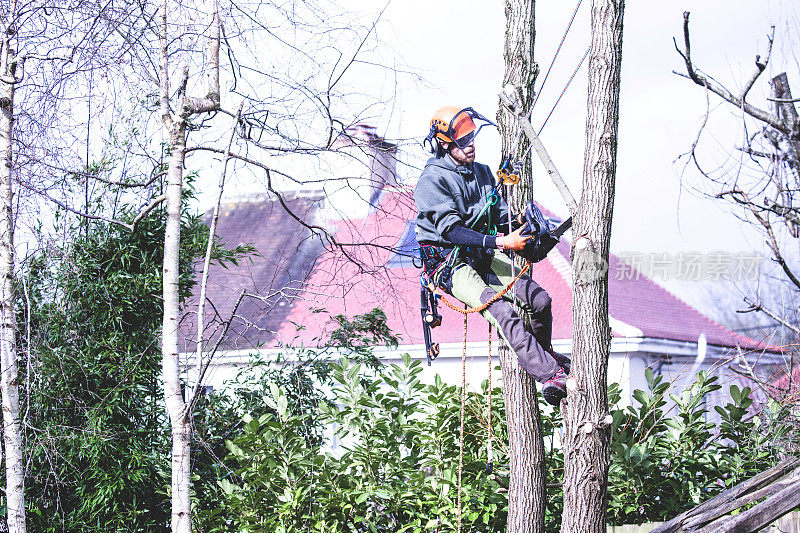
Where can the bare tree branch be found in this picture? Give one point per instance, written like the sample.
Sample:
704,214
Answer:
314,228
222,334
144,212
742,198
723,92
207,259
783,100
130,227
759,307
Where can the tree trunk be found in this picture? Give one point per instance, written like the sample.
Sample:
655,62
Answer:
526,491
181,521
173,396
587,423
9,382
787,113
176,126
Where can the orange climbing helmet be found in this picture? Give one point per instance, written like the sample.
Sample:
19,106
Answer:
451,124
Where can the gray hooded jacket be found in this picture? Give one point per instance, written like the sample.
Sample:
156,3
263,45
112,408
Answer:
448,194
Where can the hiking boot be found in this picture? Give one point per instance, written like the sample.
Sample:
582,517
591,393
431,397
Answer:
562,360
555,389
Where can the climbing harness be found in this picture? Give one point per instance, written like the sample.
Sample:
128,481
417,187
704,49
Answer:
437,270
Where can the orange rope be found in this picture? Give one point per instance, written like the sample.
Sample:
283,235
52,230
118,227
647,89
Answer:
463,405
489,451
466,311
494,298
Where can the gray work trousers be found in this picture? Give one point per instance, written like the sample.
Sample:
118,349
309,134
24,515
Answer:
531,346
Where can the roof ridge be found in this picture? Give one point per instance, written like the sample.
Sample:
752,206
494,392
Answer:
263,196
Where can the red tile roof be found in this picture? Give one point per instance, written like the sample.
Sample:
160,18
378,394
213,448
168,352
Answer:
271,278
639,303
787,385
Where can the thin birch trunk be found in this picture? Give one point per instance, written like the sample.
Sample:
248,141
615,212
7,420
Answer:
587,432
526,492
176,406
176,127
9,380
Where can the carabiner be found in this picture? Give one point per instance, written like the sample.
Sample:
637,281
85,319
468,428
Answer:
507,173
507,178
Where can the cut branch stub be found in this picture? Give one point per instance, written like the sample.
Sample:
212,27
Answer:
588,264
786,111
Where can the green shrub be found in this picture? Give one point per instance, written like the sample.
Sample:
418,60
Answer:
663,464
396,464
396,468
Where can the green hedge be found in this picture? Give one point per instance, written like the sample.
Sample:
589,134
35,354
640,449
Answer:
396,466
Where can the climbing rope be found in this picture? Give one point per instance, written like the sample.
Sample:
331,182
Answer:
538,93
564,90
560,96
493,299
489,450
555,56
466,312
463,405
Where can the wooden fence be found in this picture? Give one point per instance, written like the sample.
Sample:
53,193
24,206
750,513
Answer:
789,523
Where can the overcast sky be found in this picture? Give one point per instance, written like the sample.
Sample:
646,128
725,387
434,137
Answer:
660,112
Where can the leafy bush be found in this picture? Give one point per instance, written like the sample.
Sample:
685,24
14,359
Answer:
663,464
302,382
96,433
395,468
394,465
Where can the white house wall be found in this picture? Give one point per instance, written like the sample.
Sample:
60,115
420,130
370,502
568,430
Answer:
628,361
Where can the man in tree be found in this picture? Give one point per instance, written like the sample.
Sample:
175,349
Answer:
459,214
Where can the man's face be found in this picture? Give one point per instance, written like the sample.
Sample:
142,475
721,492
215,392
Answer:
462,156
